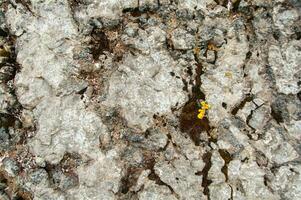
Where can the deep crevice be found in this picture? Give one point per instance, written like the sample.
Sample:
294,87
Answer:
206,182
248,98
100,43
276,115
227,157
26,4
189,123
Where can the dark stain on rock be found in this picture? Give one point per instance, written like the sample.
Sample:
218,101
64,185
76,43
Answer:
235,6
7,120
185,88
27,5
279,109
206,182
74,4
11,189
3,33
82,92
129,179
276,114
189,123
149,163
227,157
133,172
100,43
135,12
138,11
299,96
248,98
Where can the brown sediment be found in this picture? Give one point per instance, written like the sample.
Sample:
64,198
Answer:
189,122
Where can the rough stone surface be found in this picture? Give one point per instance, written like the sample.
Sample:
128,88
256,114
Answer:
100,99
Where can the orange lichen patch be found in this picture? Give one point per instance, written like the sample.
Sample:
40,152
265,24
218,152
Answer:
212,47
196,50
173,23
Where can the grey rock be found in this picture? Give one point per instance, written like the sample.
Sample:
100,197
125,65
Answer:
142,179
148,3
285,62
262,24
4,138
39,177
260,117
250,178
221,191
215,173
10,167
156,139
154,191
225,83
182,40
181,178
210,56
4,196
275,148
287,182
147,78
285,20
93,97
64,181
7,99
60,133
6,73
101,175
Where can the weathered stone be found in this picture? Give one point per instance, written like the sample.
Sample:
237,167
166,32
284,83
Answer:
65,126
259,117
182,40
100,99
275,148
10,167
285,62
181,178
287,182
100,179
154,191
250,179
143,87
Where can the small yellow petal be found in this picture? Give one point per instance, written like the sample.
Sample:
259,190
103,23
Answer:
205,105
201,113
200,116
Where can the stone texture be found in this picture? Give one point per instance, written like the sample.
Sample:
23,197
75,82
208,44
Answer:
181,178
65,127
141,98
99,99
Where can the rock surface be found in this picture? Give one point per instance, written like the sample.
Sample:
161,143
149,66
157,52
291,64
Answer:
100,99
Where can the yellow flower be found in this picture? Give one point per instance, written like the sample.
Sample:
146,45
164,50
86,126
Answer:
201,113
205,106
